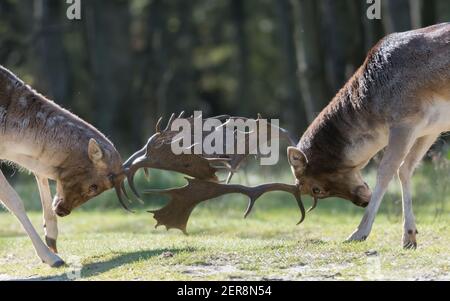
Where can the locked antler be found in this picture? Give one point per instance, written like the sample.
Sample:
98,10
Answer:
183,200
157,153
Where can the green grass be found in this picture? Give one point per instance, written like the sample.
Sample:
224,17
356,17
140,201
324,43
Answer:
105,243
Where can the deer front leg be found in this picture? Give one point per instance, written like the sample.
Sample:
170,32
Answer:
400,142
49,217
405,173
14,204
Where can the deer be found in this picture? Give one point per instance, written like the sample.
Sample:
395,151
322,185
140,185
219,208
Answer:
397,101
56,145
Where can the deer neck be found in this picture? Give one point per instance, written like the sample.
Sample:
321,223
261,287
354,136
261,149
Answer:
347,133
36,133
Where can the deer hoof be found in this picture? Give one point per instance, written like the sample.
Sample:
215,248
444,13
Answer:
58,264
356,236
51,243
409,240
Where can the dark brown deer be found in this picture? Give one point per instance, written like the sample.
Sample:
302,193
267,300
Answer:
399,99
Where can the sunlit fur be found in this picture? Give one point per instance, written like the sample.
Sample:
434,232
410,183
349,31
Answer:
38,135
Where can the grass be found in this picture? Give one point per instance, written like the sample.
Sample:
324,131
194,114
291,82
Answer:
104,243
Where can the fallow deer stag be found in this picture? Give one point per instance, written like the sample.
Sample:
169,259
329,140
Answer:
54,144
399,99
51,142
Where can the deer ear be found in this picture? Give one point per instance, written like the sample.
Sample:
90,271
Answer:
297,159
94,151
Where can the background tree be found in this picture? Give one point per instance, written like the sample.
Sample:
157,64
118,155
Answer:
126,62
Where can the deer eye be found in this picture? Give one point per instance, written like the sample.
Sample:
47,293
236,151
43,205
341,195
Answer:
316,190
93,188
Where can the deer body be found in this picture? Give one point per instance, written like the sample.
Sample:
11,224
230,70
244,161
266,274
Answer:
398,100
40,136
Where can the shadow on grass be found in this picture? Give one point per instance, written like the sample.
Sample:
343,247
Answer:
97,268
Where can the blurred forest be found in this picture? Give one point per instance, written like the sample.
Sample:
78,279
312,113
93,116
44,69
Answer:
125,63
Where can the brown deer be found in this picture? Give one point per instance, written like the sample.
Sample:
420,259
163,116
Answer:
54,144
399,99
38,135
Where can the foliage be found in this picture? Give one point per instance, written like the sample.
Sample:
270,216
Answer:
125,63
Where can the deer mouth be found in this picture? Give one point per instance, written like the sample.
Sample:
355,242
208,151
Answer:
59,209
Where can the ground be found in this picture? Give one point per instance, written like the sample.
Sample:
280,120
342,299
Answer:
102,243
115,245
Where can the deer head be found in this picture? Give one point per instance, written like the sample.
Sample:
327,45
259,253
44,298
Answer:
344,183
86,175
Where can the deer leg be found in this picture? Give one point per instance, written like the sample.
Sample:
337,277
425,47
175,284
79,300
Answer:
50,221
13,203
400,142
405,173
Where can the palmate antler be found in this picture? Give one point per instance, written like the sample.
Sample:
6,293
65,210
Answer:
204,185
183,200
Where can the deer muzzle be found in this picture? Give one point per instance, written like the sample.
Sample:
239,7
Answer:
58,207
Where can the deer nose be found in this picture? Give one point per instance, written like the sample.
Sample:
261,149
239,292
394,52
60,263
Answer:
61,211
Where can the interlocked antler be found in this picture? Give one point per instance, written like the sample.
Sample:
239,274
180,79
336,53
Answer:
183,200
157,153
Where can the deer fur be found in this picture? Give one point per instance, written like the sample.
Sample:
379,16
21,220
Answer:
399,99
54,144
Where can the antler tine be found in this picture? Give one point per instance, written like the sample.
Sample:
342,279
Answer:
256,192
130,167
130,179
146,173
230,175
122,187
287,135
158,125
221,117
120,192
314,205
218,159
169,123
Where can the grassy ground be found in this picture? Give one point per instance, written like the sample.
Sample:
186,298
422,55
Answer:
103,243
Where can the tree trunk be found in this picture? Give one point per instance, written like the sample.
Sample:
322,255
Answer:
238,14
373,30
109,50
396,15
292,112
442,11
314,90
53,67
345,48
428,12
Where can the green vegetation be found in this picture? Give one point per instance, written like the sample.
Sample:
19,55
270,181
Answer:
112,244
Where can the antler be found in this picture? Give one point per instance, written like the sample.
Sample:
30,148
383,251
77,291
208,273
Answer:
183,200
157,153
